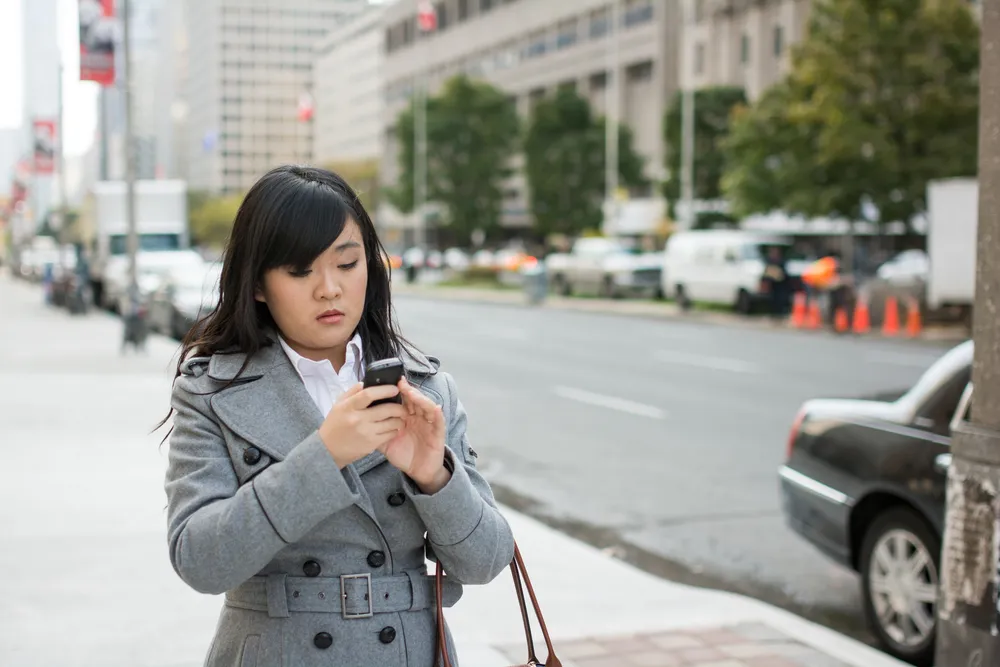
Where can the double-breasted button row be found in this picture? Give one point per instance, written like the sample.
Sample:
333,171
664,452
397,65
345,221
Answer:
376,559
396,499
311,568
251,456
324,640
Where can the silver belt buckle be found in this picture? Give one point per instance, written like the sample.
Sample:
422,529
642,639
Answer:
343,596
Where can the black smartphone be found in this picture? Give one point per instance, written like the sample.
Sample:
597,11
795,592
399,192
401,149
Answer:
384,371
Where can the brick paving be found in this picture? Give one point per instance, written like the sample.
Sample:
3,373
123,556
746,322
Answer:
746,645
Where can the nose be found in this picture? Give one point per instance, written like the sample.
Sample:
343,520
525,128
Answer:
329,288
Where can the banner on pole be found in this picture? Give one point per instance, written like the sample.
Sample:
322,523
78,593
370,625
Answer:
44,146
98,39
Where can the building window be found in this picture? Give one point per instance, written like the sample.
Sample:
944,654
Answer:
537,45
779,41
463,10
442,16
638,12
599,23
567,34
699,58
598,81
639,72
745,49
486,5
569,84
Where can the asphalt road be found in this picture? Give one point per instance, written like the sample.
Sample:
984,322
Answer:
660,439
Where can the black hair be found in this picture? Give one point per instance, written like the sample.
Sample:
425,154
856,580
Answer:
287,219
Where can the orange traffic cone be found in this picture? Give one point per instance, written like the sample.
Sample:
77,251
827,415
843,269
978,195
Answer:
862,317
890,323
913,323
814,319
840,322
799,310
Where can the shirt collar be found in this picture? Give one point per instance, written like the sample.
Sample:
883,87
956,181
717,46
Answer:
308,367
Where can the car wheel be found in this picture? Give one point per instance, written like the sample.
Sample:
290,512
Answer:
680,296
899,583
561,285
744,304
608,288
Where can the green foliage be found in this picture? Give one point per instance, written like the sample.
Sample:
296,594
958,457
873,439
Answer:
473,131
713,108
565,160
212,220
882,97
362,175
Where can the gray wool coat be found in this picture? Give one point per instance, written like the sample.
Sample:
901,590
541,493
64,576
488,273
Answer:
319,565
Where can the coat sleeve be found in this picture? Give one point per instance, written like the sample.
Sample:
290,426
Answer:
466,532
221,533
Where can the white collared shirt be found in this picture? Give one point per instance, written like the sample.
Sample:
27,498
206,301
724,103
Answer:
323,383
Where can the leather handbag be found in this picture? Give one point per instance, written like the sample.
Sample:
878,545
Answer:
519,572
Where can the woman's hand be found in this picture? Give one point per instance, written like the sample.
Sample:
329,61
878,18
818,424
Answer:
353,430
418,449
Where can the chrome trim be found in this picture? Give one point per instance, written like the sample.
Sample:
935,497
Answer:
814,487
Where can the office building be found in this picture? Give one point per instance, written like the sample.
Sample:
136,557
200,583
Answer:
251,66
348,91
528,48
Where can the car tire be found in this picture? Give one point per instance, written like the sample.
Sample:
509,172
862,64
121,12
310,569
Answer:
680,296
883,533
608,288
561,285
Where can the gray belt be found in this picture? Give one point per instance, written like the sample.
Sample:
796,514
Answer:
350,595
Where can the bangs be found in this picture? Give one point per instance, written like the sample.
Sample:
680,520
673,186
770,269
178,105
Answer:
303,221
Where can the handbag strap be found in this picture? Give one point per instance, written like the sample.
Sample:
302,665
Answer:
518,572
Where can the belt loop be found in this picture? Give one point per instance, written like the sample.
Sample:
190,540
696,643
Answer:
277,597
420,590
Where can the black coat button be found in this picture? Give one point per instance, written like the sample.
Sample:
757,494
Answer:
387,635
311,568
323,640
397,499
376,559
251,456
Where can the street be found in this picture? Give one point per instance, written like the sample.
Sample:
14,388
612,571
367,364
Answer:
659,439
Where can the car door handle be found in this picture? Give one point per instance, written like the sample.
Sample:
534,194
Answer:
942,462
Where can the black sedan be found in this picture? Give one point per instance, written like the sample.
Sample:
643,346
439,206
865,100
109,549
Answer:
864,482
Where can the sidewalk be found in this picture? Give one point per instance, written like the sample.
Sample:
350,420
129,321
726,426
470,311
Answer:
89,584
638,308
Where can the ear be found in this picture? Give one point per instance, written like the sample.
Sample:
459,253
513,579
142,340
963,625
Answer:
258,294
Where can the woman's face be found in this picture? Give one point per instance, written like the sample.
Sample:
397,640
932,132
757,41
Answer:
318,309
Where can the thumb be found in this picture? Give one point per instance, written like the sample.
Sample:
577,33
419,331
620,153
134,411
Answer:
354,390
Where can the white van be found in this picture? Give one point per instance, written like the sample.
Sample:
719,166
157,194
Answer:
720,266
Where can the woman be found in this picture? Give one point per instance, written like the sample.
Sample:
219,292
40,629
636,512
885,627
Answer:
309,509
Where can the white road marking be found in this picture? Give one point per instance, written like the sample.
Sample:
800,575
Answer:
610,402
702,361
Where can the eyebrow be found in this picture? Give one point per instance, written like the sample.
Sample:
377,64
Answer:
347,245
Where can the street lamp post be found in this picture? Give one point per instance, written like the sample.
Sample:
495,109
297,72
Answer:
130,212
687,120
967,605
613,96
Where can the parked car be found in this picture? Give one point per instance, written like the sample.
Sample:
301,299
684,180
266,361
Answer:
185,295
605,267
864,482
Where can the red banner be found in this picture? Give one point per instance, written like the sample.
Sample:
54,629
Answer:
98,38
44,146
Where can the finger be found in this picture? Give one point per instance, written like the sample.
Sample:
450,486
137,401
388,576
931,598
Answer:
388,426
366,397
352,391
385,411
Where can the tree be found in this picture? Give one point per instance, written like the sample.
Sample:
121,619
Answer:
713,108
564,164
362,175
473,131
882,97
212,220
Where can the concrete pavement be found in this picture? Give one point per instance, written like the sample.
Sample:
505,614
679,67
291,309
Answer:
84,547
658,438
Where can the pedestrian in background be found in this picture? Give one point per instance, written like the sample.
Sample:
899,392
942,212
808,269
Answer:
289,490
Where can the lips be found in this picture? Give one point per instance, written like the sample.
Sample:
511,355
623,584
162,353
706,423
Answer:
330,317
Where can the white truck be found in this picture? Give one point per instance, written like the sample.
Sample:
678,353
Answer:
161,223
953,218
